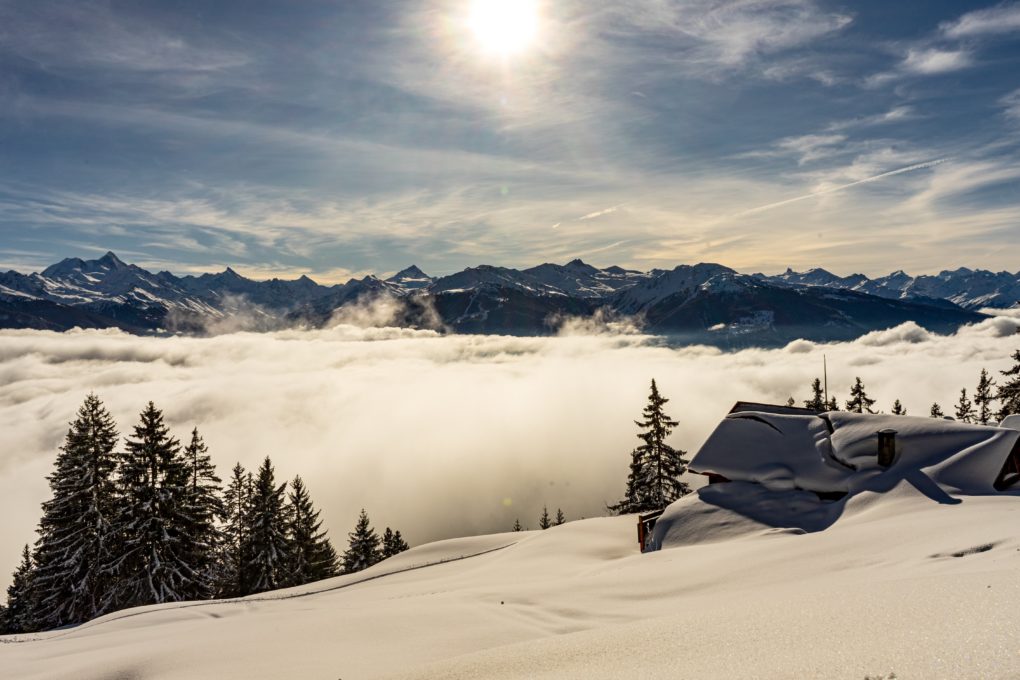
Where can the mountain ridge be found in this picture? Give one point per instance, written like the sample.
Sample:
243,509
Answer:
704,302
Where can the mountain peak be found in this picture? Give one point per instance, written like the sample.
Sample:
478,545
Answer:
111,260
67,266
412,272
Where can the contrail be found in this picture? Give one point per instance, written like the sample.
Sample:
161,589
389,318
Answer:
867,180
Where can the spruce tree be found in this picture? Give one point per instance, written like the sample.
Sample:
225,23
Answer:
311,555
1008,393
233,571
936,411
983,398
656,467
964,408
77,539
859,401
544,522
897,408
392,543
363,550
517,525
266,549
19,616
791,402
202,510
832,406
817,400
152,518
560,519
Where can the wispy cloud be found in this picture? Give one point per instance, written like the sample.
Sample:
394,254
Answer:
729,34
894,115
600,213
1001,19
72,37
934,61
1011,105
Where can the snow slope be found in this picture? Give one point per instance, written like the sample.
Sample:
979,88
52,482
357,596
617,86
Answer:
900,584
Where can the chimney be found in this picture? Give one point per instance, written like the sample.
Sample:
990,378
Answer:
886,447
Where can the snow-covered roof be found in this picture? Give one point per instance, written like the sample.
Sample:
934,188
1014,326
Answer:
837,452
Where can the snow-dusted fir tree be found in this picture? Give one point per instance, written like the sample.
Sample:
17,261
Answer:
936,411
983,398
203,509
363,550
266,549
311,556
233,572
965,412
544,522
392,543
19,616
77,539
1008,393
859,401
152,519
656,467
817,400
897,408
560,519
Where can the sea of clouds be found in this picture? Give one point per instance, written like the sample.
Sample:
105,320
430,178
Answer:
437,435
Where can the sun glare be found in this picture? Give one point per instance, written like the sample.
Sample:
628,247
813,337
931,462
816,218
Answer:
504,27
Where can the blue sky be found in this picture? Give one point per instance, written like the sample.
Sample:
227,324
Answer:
336,138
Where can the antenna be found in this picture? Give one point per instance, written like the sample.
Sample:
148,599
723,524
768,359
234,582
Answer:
825,372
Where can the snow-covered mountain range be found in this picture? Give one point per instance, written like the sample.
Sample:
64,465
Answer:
697,303
968,288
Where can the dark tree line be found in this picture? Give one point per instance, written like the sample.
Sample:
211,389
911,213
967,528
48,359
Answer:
977,408
153,524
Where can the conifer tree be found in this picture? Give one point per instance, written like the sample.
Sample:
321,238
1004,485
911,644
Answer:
791,402
20,612
936,411
544,522
964,408
363,550
266,550
1008,393
833,405
392,543
311,556
202,510
817,400
77,539
983,398
859,401
897,408
656,467
233,571
517,525
152,518
560,519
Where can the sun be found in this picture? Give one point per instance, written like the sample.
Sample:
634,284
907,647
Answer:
504,27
